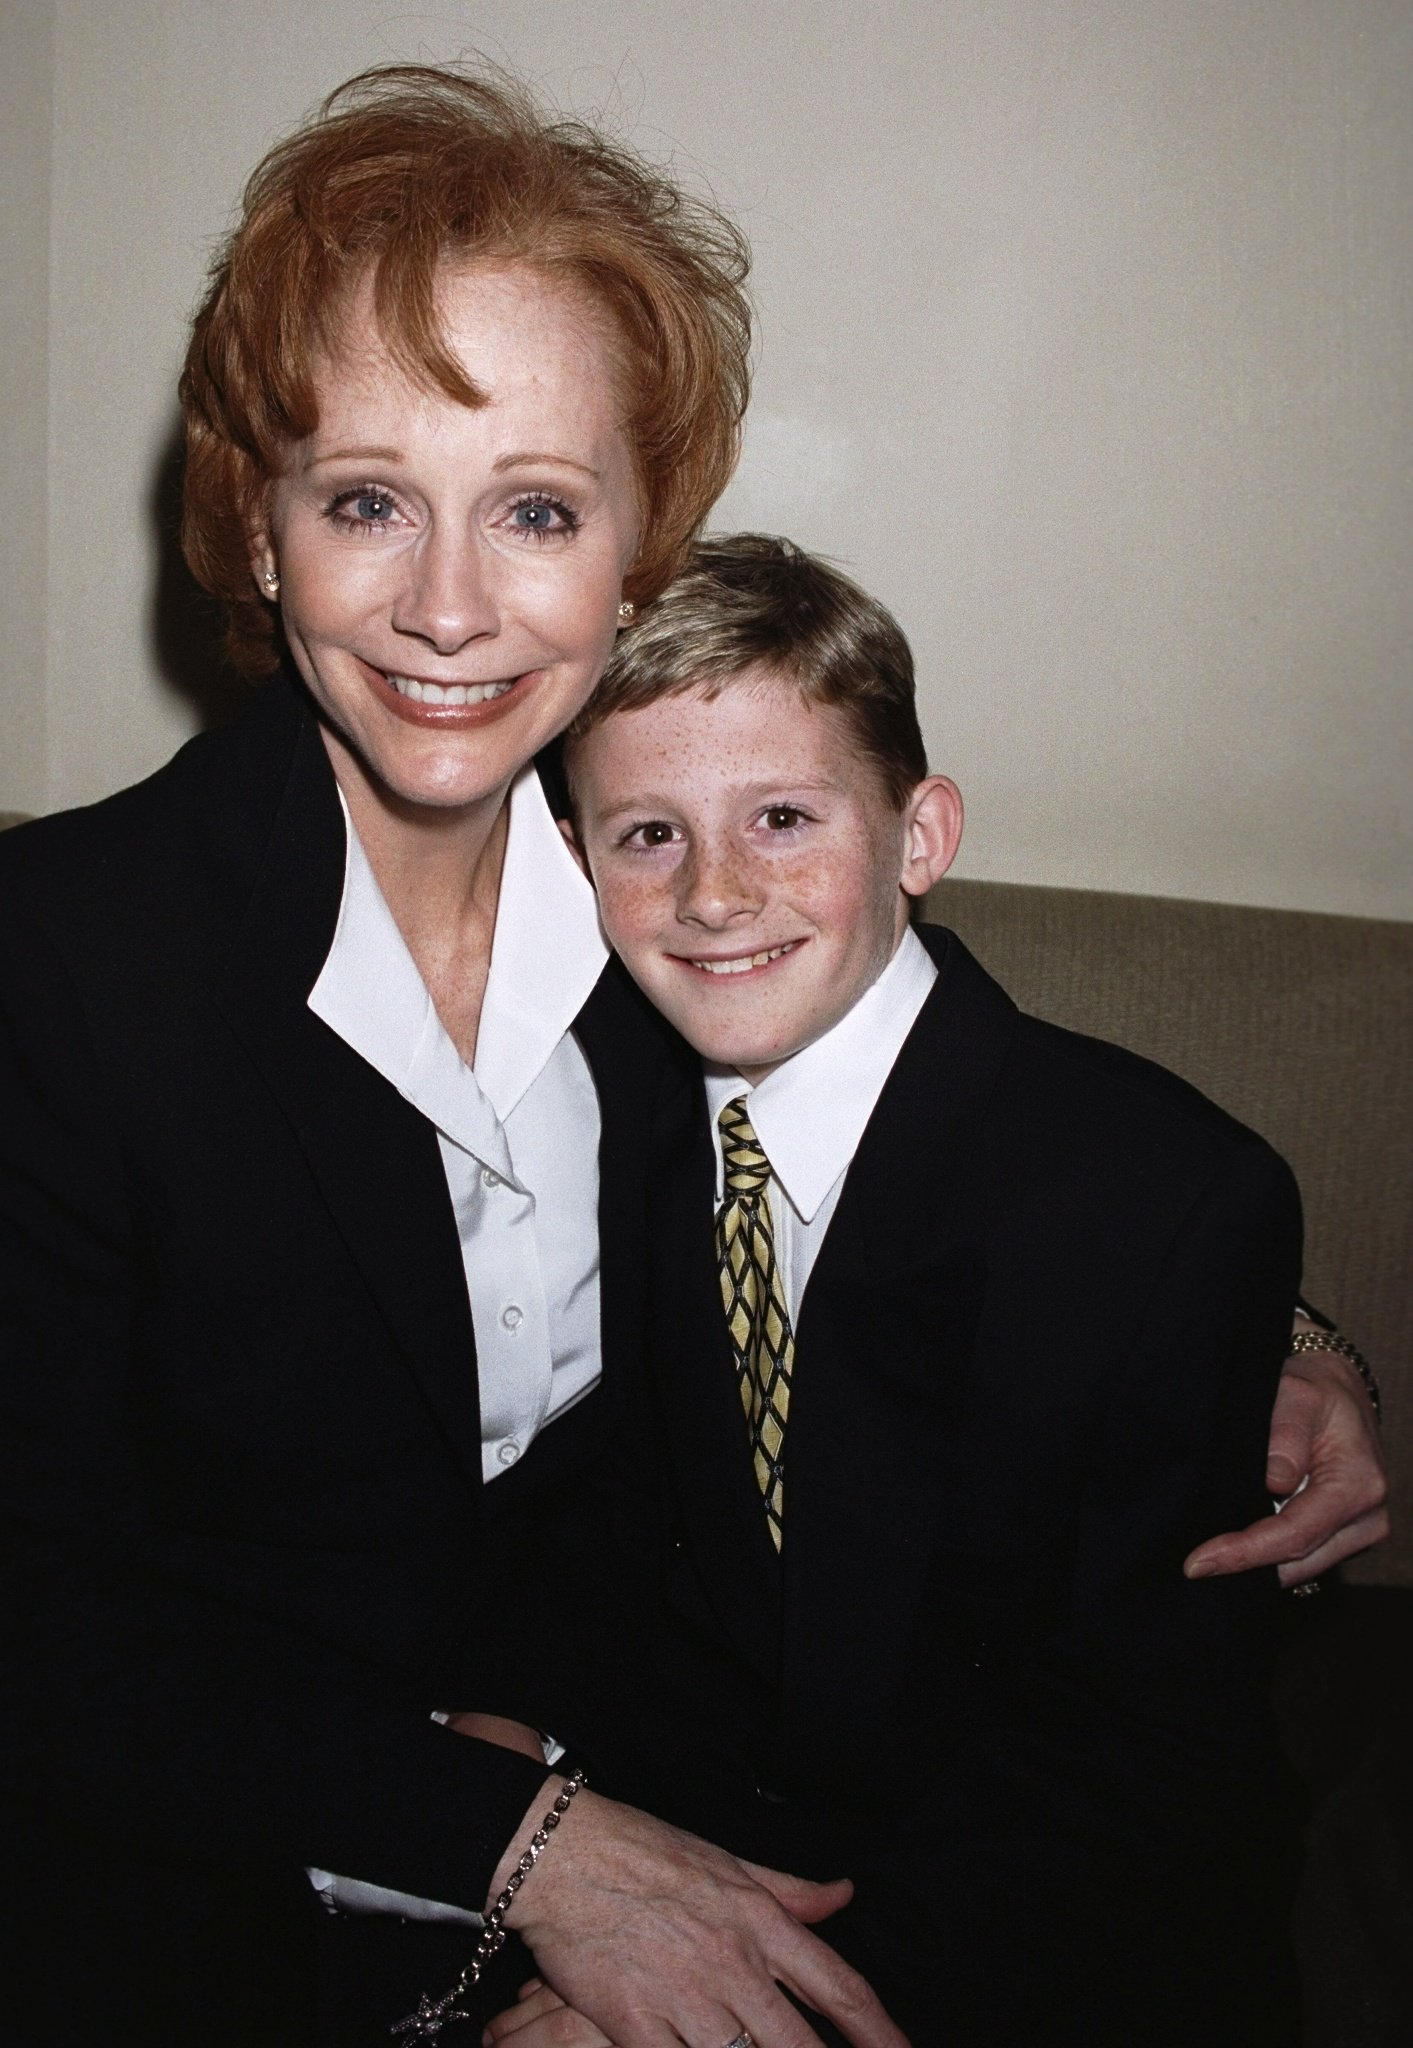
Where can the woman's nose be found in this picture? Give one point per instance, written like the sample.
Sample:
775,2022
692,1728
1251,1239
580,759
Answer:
716,887
448,597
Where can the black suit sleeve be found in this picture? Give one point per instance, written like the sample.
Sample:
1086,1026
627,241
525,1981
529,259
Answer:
1116,1811
137,1703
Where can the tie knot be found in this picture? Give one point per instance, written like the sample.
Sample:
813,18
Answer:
746,1166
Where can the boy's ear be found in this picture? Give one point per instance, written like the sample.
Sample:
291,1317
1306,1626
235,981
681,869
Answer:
567,834
933,832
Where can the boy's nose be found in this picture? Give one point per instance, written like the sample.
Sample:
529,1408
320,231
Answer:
448,597
717,887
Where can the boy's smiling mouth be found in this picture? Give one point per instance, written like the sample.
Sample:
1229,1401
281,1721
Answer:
739,963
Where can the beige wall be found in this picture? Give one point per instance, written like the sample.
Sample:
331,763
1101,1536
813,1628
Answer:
26,114
1085,341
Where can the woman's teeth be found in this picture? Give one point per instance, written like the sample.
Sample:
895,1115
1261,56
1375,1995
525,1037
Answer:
746,962
448,693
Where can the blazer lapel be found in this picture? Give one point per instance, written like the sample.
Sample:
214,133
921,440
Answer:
883,1353
624,1041
374,1158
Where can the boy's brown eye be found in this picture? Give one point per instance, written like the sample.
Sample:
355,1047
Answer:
780,817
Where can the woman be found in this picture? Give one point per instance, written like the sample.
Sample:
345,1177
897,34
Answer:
299,1154
248,1446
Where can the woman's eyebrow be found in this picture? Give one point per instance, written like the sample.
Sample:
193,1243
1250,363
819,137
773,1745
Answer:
525,457
379,454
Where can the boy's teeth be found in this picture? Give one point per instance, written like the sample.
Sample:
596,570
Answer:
447,693
742,965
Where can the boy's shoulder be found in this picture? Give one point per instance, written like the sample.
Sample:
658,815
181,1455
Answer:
1053,1086
1076,1164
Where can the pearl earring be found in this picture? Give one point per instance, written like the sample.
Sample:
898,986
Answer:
627,611
271,581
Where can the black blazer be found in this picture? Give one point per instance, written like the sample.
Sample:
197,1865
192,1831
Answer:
247,1545
1034,1365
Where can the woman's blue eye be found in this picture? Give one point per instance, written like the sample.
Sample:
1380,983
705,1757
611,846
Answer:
542,516
366,507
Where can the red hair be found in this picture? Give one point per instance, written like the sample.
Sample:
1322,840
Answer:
405,168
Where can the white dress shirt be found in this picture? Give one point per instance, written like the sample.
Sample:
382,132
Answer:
809,1112
518,1133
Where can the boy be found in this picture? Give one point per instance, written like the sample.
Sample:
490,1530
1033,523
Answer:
904,1620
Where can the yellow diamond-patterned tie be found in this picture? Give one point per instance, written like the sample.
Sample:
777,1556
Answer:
753,1296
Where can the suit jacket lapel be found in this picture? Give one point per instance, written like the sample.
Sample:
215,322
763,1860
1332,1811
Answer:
629,1051
884,1348
724,1525
374,1158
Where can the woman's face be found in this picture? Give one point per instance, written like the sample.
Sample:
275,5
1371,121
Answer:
450,576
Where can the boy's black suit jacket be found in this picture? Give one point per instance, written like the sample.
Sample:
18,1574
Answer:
247,1547
1034,1365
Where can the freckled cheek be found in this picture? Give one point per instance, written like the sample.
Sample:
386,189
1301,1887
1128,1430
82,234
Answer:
824,886
632,911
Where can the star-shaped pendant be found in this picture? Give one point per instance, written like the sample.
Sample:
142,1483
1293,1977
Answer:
428,2020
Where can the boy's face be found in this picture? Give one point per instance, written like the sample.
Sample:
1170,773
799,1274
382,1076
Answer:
750,868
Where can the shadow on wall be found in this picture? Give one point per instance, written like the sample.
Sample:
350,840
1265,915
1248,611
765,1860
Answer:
185,625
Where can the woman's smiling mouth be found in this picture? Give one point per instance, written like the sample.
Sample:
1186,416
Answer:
419,701
448,693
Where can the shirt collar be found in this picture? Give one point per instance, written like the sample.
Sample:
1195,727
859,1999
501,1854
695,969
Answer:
809,1112
546,955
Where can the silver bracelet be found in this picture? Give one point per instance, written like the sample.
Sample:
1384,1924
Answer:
434,2014
1331,1340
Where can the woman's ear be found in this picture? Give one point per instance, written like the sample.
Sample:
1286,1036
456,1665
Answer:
567,834
264,568
933,831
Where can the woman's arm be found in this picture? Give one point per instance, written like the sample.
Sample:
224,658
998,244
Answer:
137,1700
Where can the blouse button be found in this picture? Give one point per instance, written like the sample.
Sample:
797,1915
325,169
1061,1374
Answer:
489,1177
512,1316
509,1451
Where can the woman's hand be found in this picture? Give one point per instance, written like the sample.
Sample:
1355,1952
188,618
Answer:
541,2019
1324,1439
654,1935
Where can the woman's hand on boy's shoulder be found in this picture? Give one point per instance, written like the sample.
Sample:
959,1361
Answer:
1325,1466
